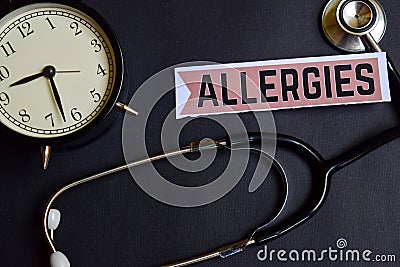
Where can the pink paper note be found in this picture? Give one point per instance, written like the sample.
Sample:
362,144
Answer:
281,84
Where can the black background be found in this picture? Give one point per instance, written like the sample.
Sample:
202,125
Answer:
114,223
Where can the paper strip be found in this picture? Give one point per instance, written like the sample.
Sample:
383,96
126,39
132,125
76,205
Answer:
281,84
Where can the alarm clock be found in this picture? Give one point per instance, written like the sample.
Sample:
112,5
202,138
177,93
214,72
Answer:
61,72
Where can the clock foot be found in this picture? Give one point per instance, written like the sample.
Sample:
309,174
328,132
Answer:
125,108
45,152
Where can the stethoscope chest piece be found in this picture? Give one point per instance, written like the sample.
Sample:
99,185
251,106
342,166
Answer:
345,21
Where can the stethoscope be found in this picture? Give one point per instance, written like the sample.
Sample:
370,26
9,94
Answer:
357,26
350,25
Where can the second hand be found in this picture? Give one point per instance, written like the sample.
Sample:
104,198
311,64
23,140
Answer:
68,71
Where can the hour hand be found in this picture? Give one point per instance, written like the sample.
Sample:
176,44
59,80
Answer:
27,79
47,72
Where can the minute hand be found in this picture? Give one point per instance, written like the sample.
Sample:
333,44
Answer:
57,97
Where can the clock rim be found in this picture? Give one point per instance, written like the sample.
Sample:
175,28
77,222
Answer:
104,119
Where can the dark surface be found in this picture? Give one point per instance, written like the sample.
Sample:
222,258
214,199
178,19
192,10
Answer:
114,223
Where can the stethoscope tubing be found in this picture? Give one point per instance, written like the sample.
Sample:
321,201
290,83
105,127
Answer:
324,168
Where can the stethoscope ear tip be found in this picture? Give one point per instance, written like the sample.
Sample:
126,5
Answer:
53,219
58,259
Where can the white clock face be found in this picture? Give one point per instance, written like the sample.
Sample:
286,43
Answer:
37,40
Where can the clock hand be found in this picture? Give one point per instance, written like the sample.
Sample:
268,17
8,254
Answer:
68,71
57,97
49,72
27,79
38,75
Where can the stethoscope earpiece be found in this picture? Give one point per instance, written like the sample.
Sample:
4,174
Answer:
53,219
58,259
350,24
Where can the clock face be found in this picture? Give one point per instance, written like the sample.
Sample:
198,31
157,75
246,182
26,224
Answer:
58,70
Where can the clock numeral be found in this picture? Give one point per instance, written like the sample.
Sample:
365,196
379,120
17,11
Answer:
76,115
96,44
51,118
100,70
24,115
4,98
51,24
4,73
8,49
74,26
96,96
25,29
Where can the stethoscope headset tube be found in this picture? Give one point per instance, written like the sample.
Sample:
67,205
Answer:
322,171
58,259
